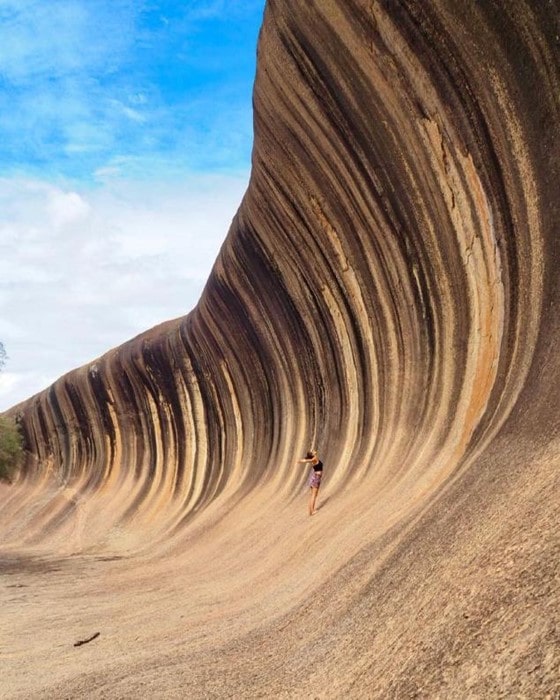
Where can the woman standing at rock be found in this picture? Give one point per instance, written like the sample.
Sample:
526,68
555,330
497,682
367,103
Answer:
315,477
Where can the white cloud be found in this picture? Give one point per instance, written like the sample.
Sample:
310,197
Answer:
62,37
124,97
8,380
15,386
84,271
66,208
91,79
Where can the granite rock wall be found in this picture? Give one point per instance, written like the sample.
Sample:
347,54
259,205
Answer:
386,285
387,293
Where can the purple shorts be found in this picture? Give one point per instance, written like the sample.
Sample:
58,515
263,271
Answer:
315,479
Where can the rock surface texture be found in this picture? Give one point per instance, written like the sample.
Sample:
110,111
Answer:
388,292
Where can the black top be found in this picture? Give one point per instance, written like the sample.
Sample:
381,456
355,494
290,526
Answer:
318,467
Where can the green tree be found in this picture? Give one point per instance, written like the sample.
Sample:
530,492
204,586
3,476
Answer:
11,440
11,448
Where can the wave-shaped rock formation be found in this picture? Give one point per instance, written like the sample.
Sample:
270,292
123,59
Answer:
388,293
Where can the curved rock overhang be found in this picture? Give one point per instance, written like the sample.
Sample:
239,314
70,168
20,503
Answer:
385,293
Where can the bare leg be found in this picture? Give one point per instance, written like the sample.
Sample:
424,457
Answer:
312,499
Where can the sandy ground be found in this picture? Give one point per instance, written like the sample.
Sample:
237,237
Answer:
459,599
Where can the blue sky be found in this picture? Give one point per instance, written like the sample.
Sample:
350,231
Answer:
125,142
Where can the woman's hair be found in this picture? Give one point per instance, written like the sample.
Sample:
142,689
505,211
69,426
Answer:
310,454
